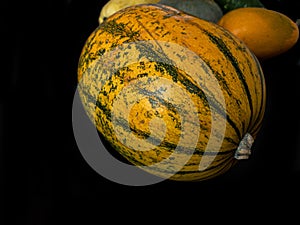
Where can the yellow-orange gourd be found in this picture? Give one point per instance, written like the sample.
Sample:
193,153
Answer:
266,32
178,96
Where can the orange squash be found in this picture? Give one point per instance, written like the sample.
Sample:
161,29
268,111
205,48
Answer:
177,96
267,33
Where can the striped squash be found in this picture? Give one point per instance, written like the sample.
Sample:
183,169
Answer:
178,96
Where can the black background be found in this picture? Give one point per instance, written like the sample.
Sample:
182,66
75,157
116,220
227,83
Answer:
47,181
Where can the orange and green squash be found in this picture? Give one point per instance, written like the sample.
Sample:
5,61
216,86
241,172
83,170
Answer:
178,96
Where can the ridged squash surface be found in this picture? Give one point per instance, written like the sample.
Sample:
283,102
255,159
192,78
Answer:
170,91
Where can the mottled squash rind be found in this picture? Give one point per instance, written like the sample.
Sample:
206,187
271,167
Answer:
224,58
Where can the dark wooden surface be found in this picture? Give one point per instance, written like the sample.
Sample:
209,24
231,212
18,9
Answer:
45,178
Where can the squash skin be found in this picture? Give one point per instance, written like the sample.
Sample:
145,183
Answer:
205,9
232,64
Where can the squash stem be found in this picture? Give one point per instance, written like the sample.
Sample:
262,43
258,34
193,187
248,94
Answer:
244,149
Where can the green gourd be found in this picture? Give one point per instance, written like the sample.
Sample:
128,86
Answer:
228,5
205,9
